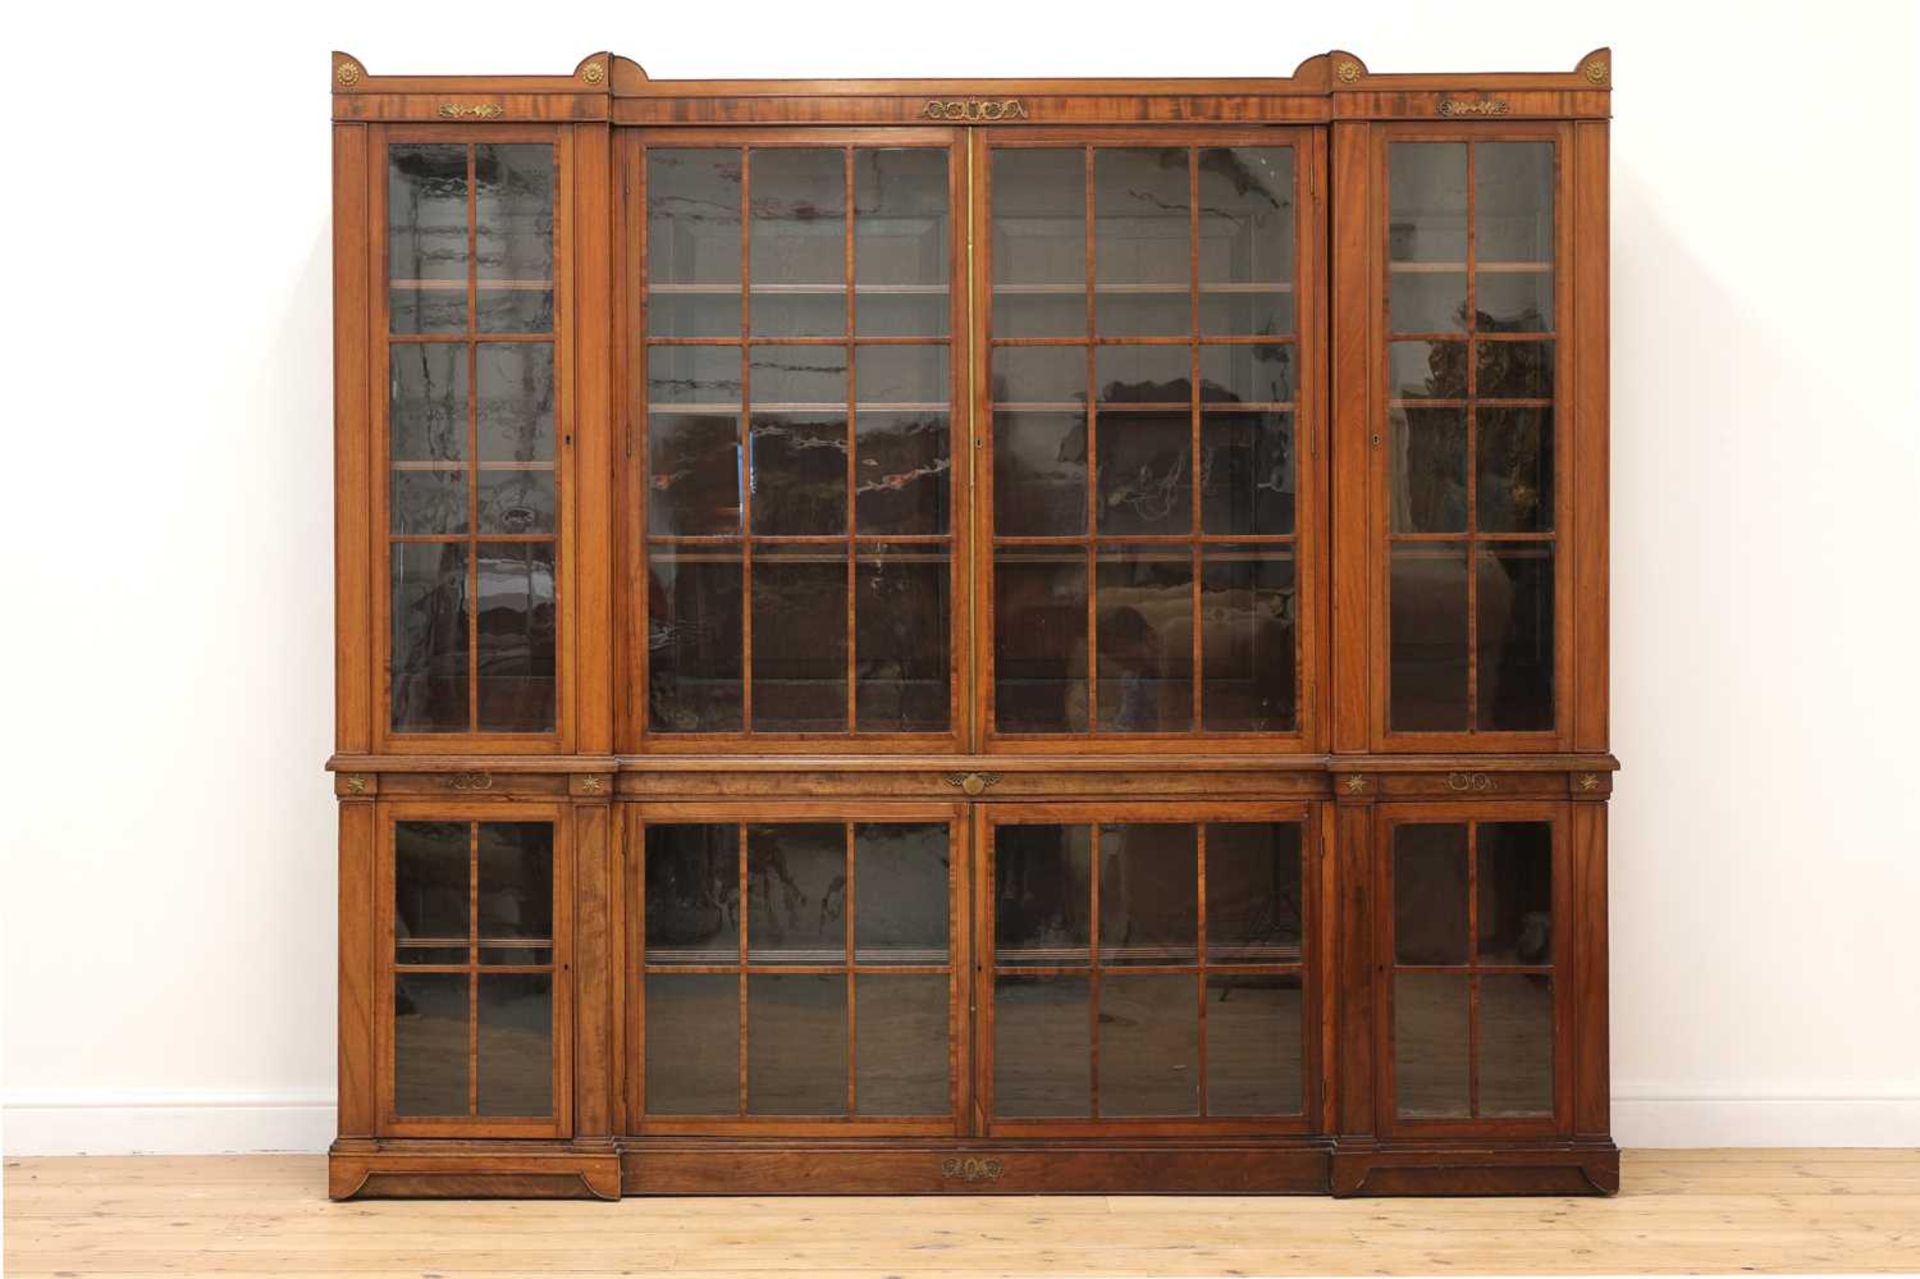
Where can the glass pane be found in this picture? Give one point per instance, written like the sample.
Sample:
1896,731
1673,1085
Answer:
429,638
901,1056
693,642
427,238
1243,374
703,375
1039,242
1039,474
515,404
797,1045
516,637
513,237
1514,370
1430,1045
902,479
1515,460
693,474
1246,473
1430,893
797,894
1142,241
1143,374
900,640
1427,370
426,955
1145,630
1255,1053
1254,893
693,1044
1042,1047
435,500
800,687
1149,1045
1427,677
692,894
693,217
798,470
1515,888
1040,641
516,501
1246,240
901,871
516,880
1420,300
1516,1045
1042,896
1050,375
430,884
430,1023
1513,201
788,376
900,248
1516,638
427,402
1427,202
903,375
1149,894
798,241
516,1044
520,955
1513,301
1429,467
1248,611
1146,472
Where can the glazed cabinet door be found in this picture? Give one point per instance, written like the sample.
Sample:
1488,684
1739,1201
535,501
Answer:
1478,1020
1147,968
1147,384
472,429
795,969
1468,409
794,504
474,1000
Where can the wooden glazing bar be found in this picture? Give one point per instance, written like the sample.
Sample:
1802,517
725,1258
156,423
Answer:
740,835
1473,488
1093,966
473,964
1200,952
852,897
746,535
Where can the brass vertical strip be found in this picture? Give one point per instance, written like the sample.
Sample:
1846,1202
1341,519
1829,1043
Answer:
1193,398
974,519
853,1099
740,837
853,445
1200,955
746,505
1093,465
1473,465
1093,972
473,442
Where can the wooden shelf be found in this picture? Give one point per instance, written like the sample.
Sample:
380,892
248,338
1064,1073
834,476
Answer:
1459,268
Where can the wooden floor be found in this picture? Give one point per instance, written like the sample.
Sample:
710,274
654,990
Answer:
1781,1210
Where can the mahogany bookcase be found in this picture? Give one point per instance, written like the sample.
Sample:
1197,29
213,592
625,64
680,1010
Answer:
975,636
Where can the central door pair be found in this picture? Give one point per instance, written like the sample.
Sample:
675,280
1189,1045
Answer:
939,969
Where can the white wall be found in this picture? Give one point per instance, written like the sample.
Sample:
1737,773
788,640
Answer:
168,833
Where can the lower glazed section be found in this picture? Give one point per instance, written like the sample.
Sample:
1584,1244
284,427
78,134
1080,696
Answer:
714,1166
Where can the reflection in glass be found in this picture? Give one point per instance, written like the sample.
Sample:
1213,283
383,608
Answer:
1516,1045
798,473
1514,455
693,642
429,637
1040,641
1514,370
904,374
1430,1045
814,376
1427,633
797,894
797,1044
1246,473
1039,241
901,474
1248,611
1149,882
1430,893
1142,241
900,612
1427,370
515,633
513,237
693,474
1243,374
515,892
516,501
1515,889
1149,1045
427,402
1429,469
1254,893
430,883
800,686
797,242
693,1044
1515,594
1427,202
1042,1047
430,1024
693,243
900,1058
515,403
427,236
515,1044
430,501
901,871
1513,301
1146,472
1050,375
703,375
1039,473
1255,1043
1513,201
1246,240
1042,895
1145,632
692,902
900,249
1422,301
